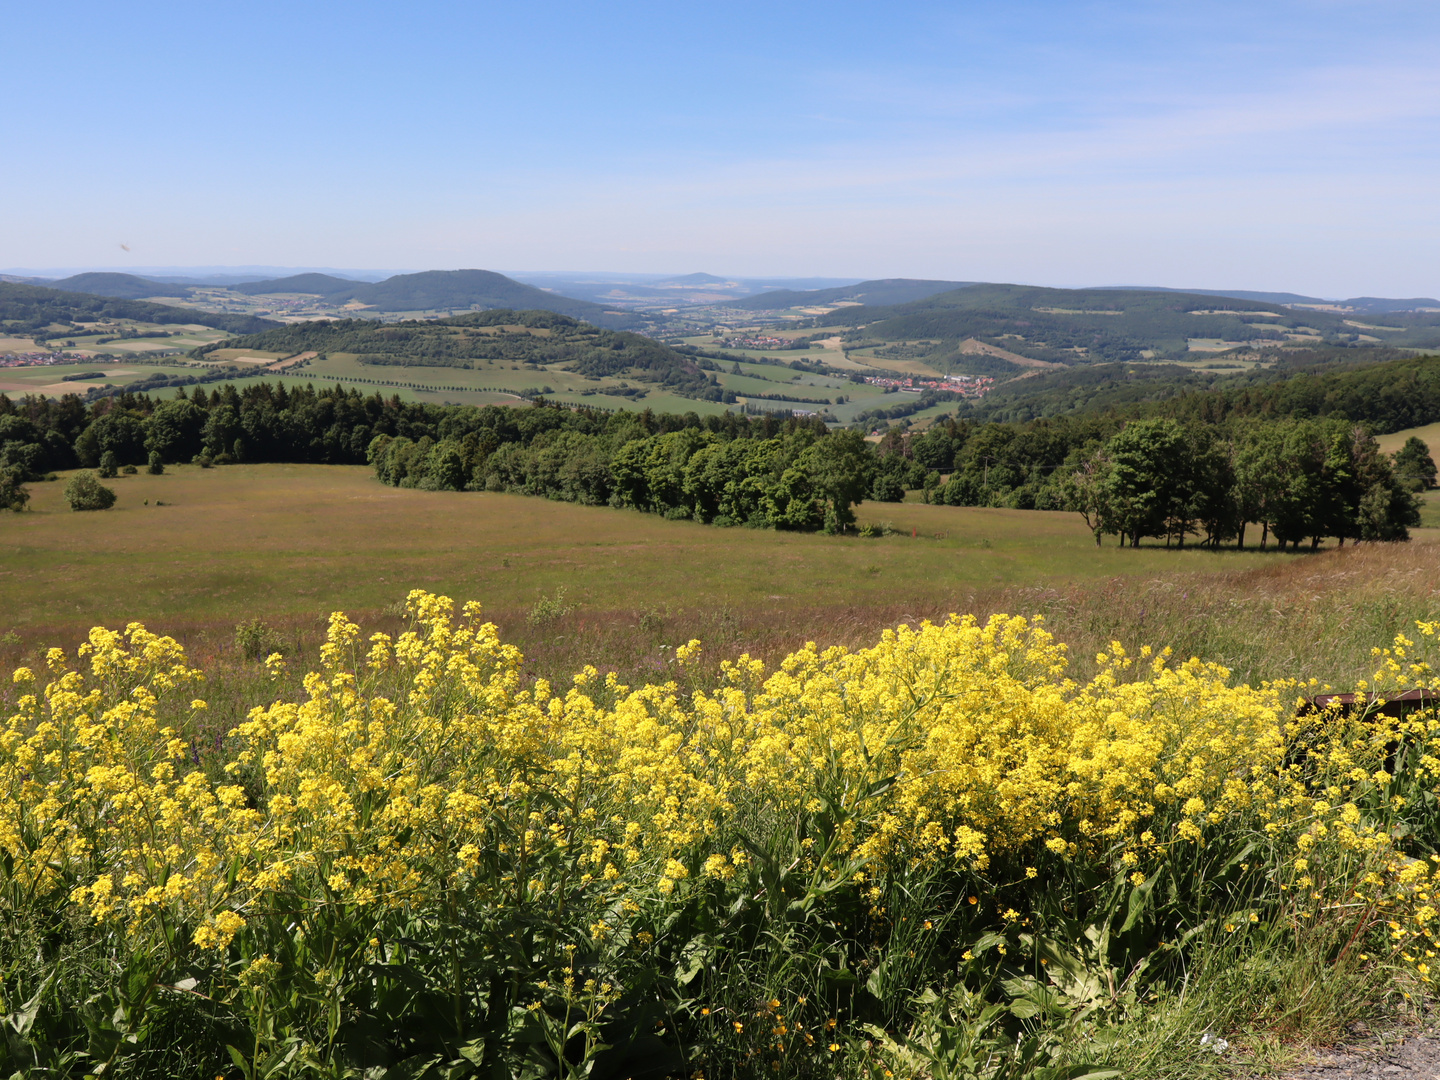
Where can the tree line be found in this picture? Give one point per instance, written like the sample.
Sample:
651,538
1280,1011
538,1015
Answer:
1297,478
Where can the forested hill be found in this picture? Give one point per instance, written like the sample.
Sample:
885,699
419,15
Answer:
529,337
1364,305
881,292
26,309
1098,325
122,286
447,289
1396,391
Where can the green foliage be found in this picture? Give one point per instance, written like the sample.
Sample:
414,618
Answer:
13,495
549,609
254,640
109,465
1414,467
156,464
84,492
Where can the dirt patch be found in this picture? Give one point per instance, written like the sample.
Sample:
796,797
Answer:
971,347
292,361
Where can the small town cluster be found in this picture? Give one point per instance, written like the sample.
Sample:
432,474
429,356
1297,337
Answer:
42,359
968,385
758,342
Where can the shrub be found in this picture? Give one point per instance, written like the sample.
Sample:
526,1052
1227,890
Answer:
84,492
109,465
157,463
13,495
549,609
130,470
255,640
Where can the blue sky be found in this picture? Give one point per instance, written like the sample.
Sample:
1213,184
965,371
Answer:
1266,145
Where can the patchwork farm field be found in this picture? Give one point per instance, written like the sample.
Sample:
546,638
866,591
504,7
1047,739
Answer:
50,379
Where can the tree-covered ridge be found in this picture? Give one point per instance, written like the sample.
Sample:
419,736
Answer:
528,337
881,292
1390,394
1079,325
120,286
450,289
28,309
1133,388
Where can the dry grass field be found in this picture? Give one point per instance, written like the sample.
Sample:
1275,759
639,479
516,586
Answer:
288,544
1429,434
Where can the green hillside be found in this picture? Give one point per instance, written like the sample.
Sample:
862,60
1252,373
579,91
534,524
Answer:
1108,325
26,309
885,291
1371,305
524,338
449,289
122,286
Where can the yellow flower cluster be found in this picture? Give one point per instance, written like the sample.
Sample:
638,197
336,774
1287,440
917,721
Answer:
426,763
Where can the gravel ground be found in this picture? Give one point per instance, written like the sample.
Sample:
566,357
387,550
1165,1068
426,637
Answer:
1410,1054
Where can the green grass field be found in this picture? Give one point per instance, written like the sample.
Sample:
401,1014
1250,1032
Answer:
1429,434
291,543
50,379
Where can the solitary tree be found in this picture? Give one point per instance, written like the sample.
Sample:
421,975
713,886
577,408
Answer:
1414,467
13,495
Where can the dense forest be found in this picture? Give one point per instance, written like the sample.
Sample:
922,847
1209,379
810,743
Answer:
526,337
1125,388
26,310
1387,388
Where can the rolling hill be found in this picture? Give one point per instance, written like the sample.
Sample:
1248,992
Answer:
26,309
1108,325
884,292
1370,305
449,289
121,286
535,338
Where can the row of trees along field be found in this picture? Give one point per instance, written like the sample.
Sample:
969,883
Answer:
1298,478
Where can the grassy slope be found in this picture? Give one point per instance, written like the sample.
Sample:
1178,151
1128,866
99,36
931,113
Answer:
292,543
1429,435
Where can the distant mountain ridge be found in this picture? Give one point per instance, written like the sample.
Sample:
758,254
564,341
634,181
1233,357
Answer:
104,283
29,308
442,289
1070,326
311,284
1370,305
883,291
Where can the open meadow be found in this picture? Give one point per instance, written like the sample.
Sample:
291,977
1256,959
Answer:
195,551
